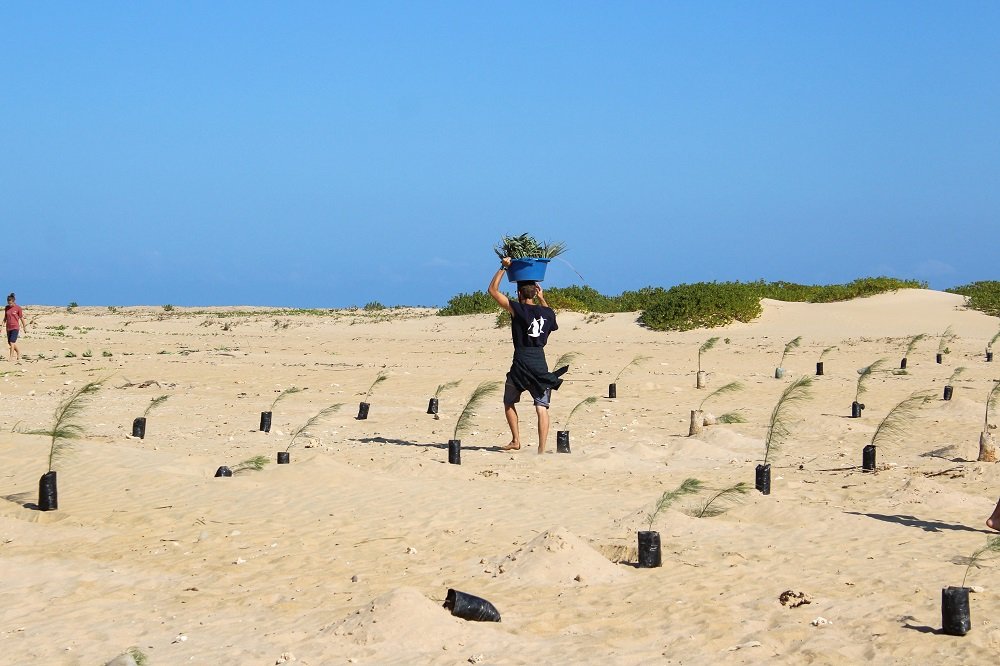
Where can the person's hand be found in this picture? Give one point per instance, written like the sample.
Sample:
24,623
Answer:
538,287
505,262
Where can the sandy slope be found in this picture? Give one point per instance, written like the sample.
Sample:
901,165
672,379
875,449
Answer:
346,554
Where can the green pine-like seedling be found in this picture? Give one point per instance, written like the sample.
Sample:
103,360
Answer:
911,343
864,375
444,387
382,376
991,401
635,361
731,387
566,359
320,416
996,336
690,486
586,401
722,500
778,425
65,427
291,390
990,550
946,338
708,344
250,464
789,346
481,392
893,425
154,403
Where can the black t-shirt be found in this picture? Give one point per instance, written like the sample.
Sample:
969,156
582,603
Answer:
530,325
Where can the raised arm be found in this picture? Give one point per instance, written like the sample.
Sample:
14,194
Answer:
539,296
494,289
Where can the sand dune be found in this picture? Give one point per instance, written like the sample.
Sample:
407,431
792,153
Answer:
346,554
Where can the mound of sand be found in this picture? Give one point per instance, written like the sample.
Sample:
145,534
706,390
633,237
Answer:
407,619
558,557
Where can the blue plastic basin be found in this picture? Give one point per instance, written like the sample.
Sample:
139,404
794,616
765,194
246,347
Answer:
527,269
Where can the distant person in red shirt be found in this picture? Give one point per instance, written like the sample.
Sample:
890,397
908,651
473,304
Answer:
14,318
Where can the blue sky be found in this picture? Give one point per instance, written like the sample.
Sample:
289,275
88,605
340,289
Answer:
324,154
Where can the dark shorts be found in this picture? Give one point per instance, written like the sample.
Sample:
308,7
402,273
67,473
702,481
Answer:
12,335
512,396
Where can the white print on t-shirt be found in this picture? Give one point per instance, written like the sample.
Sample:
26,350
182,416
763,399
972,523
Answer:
535,328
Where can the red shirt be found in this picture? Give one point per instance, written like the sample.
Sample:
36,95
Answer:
13,315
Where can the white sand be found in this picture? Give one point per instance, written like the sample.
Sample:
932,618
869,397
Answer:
346,554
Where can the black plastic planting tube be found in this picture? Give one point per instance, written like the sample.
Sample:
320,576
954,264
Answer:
956,619
455,451
989,357
612,390
283,457
948,391
432,406
363,411
902,364
649,550
819,367
562,441
868,458
265,422
139,427
939,357
856,408
470,607
223,471
762,479
48,494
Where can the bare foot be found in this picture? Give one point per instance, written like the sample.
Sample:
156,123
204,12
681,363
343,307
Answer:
513,446
993,522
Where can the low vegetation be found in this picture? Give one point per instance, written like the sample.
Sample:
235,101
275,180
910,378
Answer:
989,550
781,417
65,423
479,395
983,296
687,306
690,486
320,416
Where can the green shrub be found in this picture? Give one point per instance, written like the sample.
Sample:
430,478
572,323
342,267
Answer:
702,305
830,293
559,301
637,301
168,308
584,299
478,302
983,296
373,306
706,304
